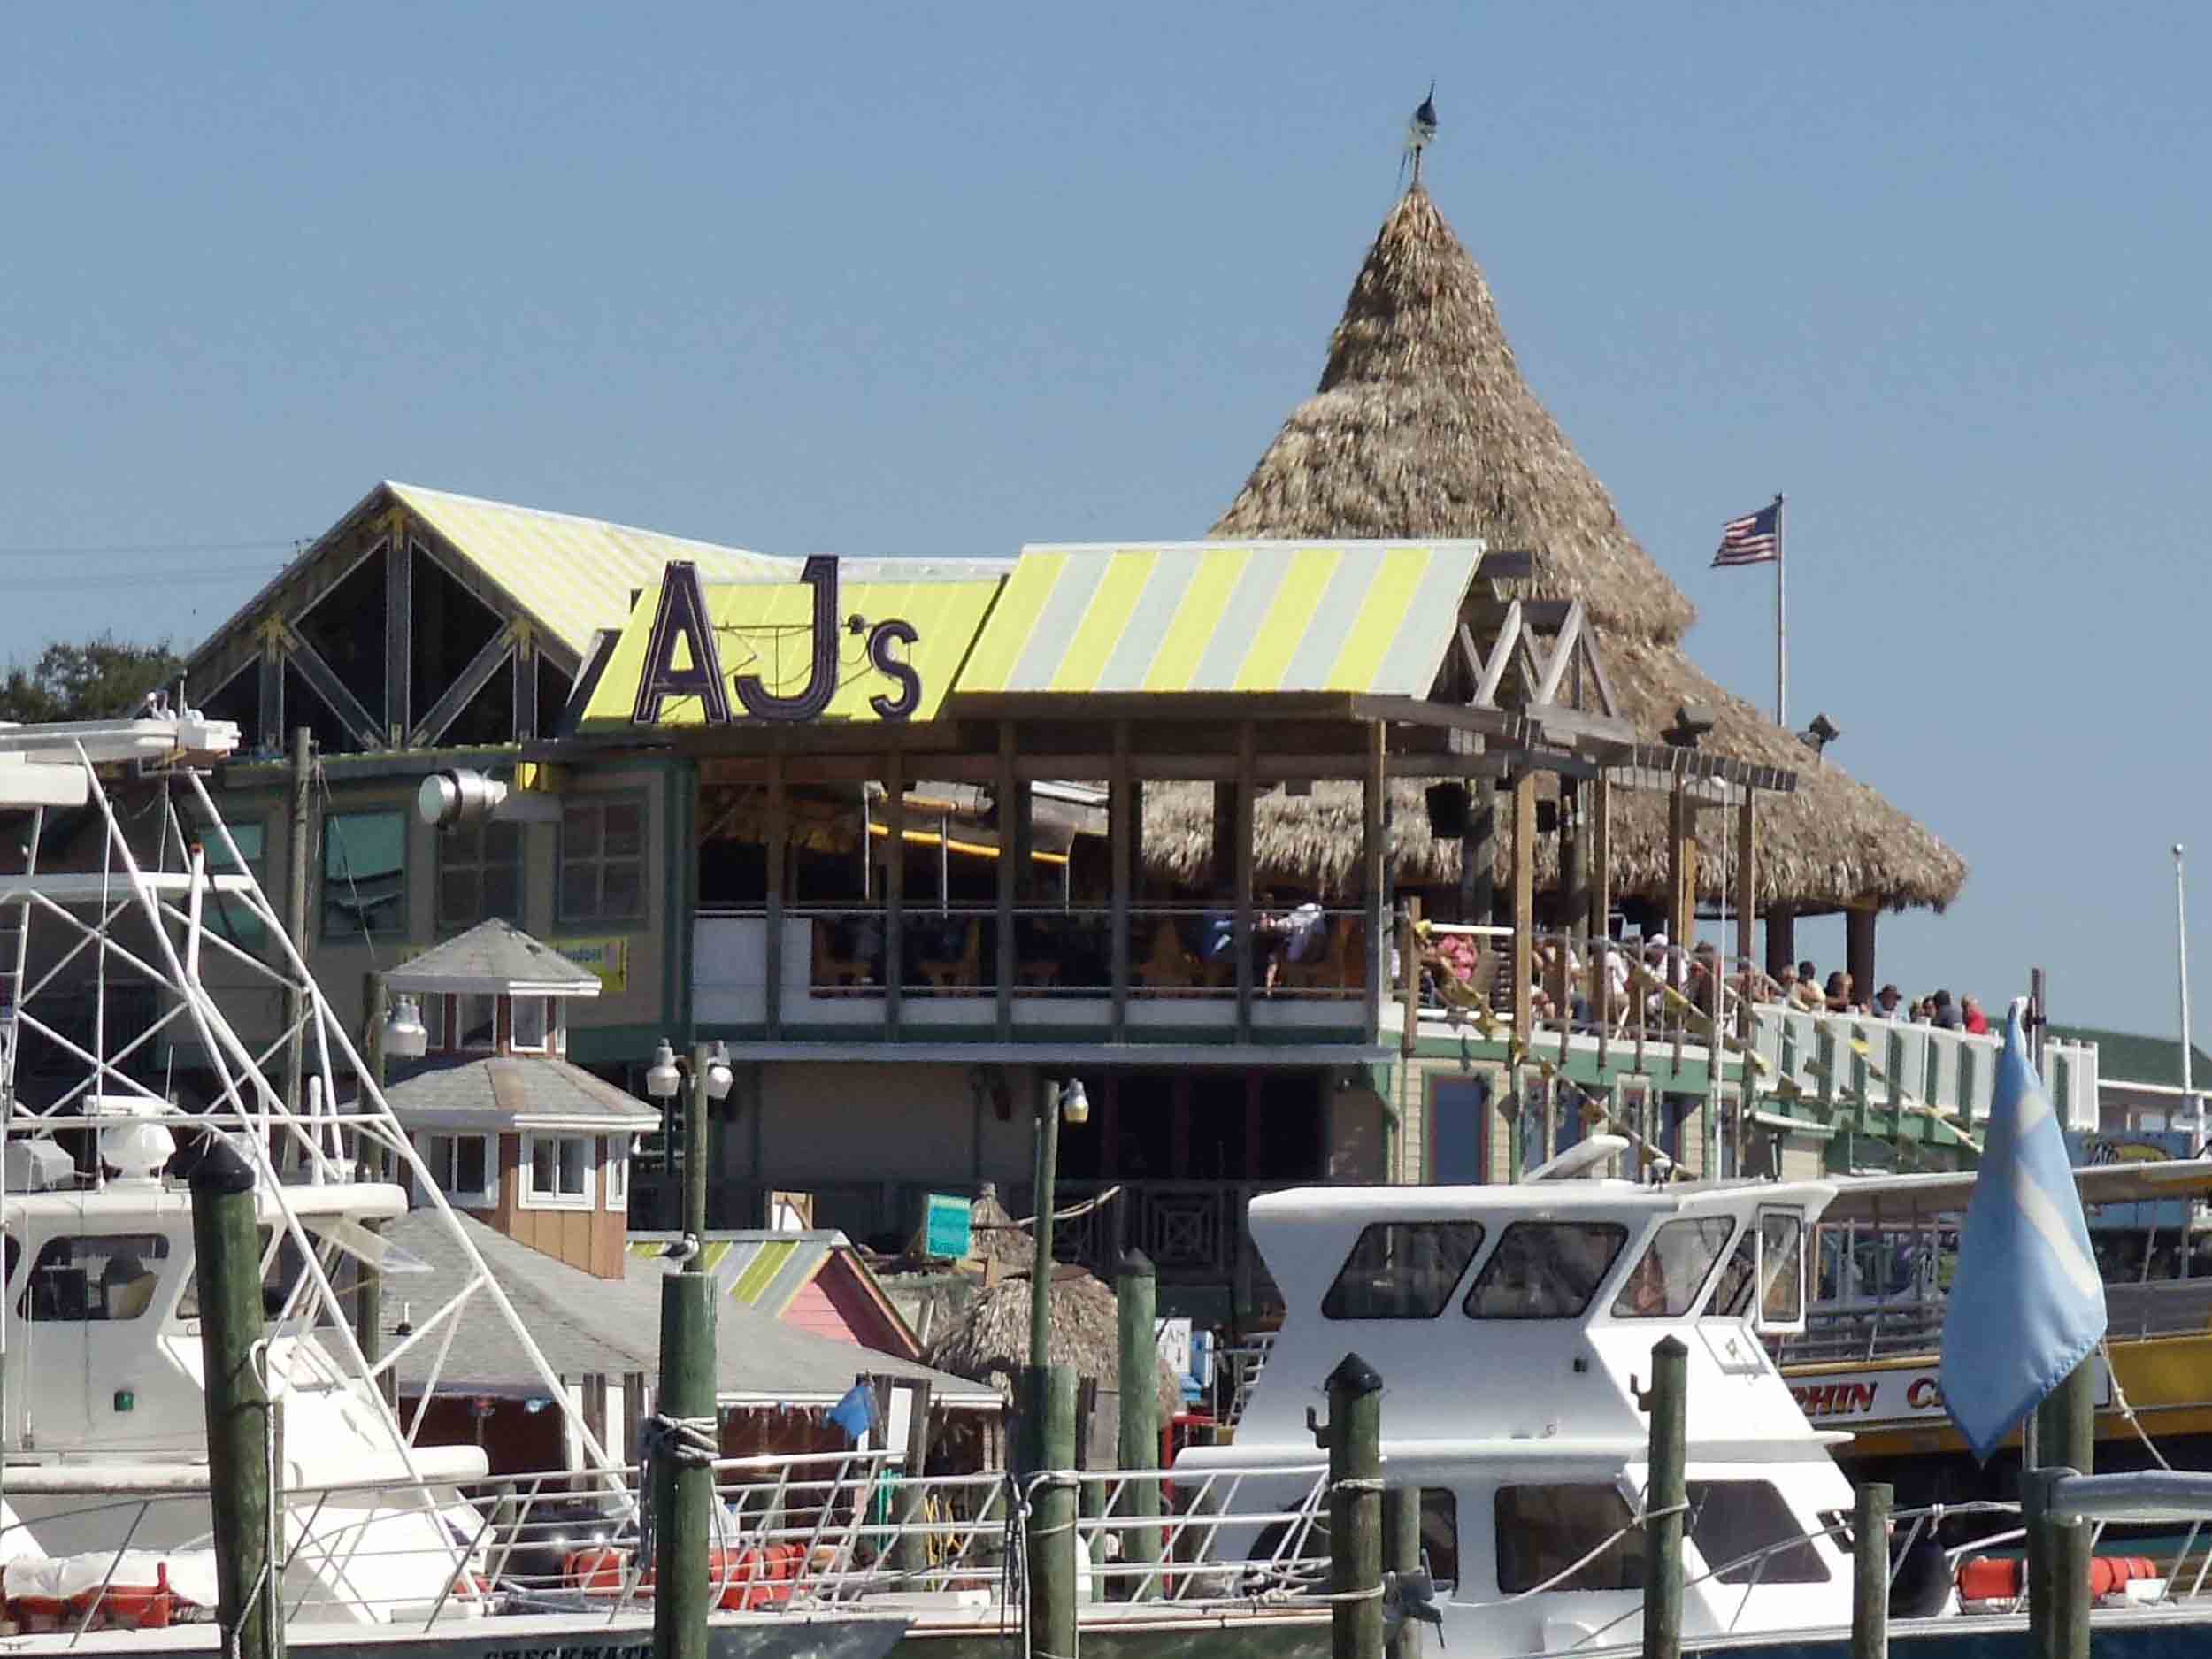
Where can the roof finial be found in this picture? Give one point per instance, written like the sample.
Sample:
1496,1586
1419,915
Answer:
1420,133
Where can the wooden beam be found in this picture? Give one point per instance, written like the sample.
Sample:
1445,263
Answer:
1858,949
1009,870
525,716
1599,894
1494,667
1781,941
399,635
893,892
1594,660
322,680
1563,654
779,858
1247,803
1524,907
1747,877
270,713
1678,854
1375,879
1119,838
488,660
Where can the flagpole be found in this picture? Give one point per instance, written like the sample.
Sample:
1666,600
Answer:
1781,630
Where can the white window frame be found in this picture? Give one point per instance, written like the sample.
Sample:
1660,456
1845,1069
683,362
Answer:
440,1162
618,1164
533,1199
544,1045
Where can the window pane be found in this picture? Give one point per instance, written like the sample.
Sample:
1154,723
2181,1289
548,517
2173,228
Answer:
1730,1519
1544,1269
1781,1237
1663,1284
1733,1300
365,874
1542,1531
468,1165
503,894
458,905
529,1018
476,1022
1402,1270
575,1166
623,891
579,890
624,829
502,843
433,1021
579,831
1440,1534
101,1277
544,1164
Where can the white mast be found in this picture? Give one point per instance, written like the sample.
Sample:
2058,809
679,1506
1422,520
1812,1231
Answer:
2190,1104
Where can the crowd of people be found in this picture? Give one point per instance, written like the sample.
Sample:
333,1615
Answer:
1802,987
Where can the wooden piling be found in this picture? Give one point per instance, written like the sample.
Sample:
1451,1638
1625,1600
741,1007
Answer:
227,1247
1048,1437
1352,1439
683,1491
1870,1572
1136,1300
1402,1554
1667,1401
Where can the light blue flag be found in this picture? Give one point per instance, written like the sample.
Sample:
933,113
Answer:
856,1413
2026,1305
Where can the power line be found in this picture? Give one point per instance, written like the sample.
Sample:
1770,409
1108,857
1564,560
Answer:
147,579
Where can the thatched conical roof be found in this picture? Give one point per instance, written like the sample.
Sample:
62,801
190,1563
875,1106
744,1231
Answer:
989,1341
1423,427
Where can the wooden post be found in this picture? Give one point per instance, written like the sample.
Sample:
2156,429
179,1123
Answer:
1681,868
1047,1475
1478,855
1012,866
683,1493
1374,878
1524,908
1746,924
1121,837
1136,1301
894,892
1599,893
1858,949
1248,805
1668,1401
1091,1492
2058,1551
909,1551
368,1283
1781,941
1401,1555
299,850
779,862
227,1246
399,613
1870,1572
1352,1439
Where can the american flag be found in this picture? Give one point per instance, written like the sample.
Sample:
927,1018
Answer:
1753,539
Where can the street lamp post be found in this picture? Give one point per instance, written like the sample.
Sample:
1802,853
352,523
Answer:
682,1432
1047,1425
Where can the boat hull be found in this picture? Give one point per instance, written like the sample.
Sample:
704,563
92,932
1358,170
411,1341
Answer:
760,1636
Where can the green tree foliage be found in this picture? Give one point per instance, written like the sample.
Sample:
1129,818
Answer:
95,679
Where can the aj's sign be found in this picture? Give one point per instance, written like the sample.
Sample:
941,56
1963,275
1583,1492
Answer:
682,617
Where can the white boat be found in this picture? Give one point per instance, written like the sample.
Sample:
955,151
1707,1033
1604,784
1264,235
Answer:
104,1516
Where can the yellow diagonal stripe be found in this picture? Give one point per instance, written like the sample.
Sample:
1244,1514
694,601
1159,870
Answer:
992,665
1381,614
1101,629
1196,620
1287,618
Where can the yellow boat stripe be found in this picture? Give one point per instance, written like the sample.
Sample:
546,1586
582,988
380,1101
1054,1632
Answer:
1296,603
1381,615
1204,599
992,664
1103,623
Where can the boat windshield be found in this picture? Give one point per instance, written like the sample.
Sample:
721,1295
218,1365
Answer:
1665,1281
1403,1270
1544,1269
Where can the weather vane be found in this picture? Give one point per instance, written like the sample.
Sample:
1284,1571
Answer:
1420,133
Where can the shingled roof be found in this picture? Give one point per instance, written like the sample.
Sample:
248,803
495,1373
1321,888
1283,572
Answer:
493,955
507,1091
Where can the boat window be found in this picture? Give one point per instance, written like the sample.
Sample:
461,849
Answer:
1403,1270
1664,1282
1543,1531
1440,1535
1544,1269
282,1273
1732,1299
1781,1266
1732,1519
101,1276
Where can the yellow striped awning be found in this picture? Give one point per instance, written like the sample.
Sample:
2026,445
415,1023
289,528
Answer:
767,629
1372,617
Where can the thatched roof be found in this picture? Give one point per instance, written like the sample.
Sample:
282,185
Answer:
990,1340
1423,427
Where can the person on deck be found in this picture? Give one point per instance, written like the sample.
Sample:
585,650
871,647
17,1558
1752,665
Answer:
1973,1020
1806,993
1885,1001
1941,1014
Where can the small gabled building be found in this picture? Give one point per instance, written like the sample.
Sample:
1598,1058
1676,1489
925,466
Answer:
536,1148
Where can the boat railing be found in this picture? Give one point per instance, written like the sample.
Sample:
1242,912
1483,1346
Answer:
1860,1331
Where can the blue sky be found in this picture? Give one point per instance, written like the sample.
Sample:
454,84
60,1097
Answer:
944,280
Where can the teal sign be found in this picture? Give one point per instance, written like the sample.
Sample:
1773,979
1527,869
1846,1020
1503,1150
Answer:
946,1230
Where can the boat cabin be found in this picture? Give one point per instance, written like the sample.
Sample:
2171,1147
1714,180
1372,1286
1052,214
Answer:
1513,1327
